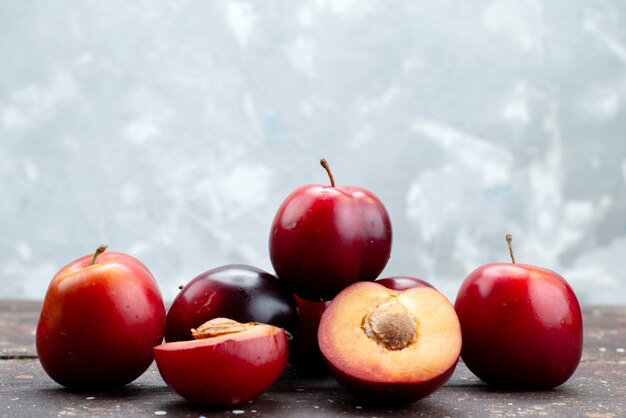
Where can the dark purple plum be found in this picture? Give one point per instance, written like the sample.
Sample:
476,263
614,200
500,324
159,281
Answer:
239,292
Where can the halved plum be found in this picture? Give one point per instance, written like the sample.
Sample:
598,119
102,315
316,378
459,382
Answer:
229,364
388,346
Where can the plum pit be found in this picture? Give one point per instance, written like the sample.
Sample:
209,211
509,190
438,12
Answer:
390,325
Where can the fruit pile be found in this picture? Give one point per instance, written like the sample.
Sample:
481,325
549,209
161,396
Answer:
231,331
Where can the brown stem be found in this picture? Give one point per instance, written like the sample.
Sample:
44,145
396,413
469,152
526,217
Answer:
99,251
509,239
324,164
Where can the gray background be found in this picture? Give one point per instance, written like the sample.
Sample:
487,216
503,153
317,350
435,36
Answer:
173,130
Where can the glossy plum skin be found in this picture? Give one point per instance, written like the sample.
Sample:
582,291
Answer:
240,292
99,323
324,238
230,373
390,393
521,325
306,354
400,283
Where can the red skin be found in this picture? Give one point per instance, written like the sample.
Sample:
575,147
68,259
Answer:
389,393
232,372
400,283
324,238
306,354
236,291
99,323
521,325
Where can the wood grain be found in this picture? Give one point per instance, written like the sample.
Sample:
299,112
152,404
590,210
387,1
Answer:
18,321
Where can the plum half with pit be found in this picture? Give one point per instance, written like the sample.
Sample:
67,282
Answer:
387,346
229,363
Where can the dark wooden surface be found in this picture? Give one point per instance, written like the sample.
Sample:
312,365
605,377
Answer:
597,389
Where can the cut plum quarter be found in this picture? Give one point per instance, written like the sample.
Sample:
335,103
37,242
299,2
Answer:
388,346
229,364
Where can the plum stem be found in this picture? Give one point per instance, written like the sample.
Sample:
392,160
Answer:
99,251
509,239
326,166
